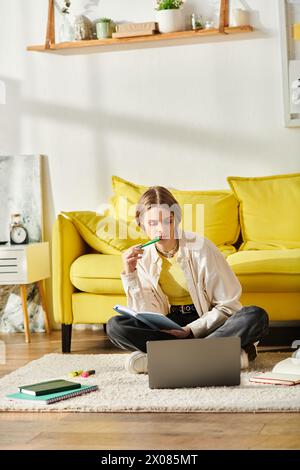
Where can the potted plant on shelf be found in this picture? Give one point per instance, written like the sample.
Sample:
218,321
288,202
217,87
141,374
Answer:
105,28
169,15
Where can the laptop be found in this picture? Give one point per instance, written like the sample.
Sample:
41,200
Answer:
196,362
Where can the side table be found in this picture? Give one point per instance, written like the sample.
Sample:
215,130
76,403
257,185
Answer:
22,265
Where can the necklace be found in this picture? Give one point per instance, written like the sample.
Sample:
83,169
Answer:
168,254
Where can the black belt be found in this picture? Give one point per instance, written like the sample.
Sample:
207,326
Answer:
183,309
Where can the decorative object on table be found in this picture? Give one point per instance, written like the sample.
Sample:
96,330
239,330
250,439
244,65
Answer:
170,16
196,21
126,30
18,233
105,28
83,28
20,192
66,30
209,24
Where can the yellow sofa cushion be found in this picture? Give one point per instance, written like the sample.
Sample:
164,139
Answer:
269,211
267,270
97,274
220,210
258,271
104,232
131,191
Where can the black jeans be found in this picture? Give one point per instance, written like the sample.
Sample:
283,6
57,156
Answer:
250,323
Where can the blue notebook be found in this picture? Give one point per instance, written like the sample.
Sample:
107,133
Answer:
155,320
52,397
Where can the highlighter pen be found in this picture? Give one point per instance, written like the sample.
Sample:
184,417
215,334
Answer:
150,242
87,373
75,373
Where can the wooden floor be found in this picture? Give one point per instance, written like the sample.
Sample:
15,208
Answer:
132,430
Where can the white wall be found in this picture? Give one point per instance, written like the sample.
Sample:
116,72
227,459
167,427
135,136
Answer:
212,108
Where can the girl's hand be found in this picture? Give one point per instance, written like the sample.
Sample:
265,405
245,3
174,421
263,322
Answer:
181,334
130,258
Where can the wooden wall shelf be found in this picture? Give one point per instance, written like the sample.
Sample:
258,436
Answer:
223,30
155,38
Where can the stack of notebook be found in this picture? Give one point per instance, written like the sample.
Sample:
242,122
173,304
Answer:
51,391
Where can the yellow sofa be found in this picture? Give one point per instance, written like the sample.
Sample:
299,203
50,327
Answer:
255,224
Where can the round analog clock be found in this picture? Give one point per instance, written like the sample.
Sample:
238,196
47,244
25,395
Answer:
18,233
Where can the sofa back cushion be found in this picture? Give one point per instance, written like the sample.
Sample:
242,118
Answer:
269,211
217,210
103,232
115,229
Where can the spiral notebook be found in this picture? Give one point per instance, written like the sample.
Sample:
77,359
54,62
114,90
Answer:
52,397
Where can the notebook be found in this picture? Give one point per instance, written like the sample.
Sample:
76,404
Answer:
52,397
155,320
285,372
276,379
50,386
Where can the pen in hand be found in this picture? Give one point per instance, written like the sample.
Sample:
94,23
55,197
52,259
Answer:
133,254
150,242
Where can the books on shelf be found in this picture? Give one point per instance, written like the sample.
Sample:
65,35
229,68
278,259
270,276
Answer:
146,26
132,34
127,30
155,321
50,398
286,372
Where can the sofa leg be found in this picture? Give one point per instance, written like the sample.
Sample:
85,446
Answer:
66,337
104,327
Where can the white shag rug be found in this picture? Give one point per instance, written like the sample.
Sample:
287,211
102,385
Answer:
121,391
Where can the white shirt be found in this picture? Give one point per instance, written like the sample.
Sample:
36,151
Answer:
213,286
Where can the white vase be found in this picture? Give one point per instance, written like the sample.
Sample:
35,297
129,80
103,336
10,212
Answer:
242,17
170,21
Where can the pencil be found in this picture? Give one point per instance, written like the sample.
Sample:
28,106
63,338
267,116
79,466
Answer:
150,242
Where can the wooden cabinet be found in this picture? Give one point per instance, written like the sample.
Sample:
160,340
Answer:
22,265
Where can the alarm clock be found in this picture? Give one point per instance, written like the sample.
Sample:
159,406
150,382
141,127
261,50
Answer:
18,233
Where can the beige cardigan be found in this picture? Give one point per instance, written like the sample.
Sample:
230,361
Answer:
213,286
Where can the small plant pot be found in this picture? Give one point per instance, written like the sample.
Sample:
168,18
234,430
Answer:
170,21
104,30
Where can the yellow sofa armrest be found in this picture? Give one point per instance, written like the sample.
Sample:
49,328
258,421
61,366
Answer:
67,245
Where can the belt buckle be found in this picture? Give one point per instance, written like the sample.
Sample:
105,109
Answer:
188,309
